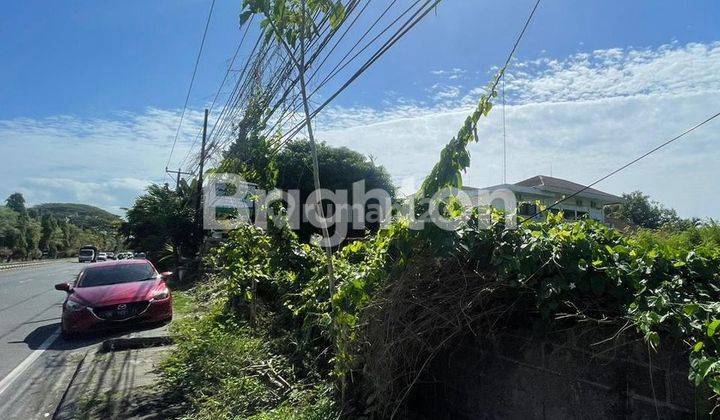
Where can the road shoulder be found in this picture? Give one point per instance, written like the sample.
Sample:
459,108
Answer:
118,379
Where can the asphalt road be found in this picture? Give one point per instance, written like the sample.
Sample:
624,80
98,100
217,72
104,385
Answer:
29,309
36,365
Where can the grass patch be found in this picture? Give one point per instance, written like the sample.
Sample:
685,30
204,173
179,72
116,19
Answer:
221,368
182,303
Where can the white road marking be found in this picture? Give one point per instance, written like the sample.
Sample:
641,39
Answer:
12,376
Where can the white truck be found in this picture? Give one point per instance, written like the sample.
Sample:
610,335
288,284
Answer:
88,253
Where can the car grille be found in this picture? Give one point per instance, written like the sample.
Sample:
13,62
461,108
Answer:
120,312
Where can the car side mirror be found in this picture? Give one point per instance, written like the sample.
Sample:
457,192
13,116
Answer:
166,274
65,287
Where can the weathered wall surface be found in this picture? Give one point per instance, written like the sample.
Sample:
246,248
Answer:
559,375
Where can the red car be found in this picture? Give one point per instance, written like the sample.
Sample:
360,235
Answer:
115,293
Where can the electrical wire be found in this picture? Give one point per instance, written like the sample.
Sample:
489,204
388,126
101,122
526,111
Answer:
192,81
406,27
222,84
632,162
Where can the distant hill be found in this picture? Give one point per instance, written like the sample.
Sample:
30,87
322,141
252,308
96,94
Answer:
81,215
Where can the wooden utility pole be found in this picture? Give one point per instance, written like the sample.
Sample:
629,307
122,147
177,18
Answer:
198,203
177,180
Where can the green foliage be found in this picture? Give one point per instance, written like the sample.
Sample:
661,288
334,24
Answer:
641,211
81,215
272,316
703,238
163,219
286,21
52,229
48,227
16,203
10,232
221,368
251,157
274,286
340,167
455,157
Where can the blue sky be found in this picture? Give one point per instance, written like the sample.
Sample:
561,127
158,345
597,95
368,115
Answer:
109,78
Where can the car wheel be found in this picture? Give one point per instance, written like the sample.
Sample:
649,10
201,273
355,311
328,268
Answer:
65,334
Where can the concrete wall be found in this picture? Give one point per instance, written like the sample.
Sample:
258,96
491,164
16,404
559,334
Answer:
559,375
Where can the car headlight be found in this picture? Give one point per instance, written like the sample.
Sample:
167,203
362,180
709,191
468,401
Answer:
71,305
161,294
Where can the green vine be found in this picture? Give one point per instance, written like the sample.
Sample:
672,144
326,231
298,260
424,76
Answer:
455,158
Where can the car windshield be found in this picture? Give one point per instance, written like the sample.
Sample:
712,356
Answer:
115,274
86,252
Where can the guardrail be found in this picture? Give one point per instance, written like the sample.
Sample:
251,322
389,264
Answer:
21,264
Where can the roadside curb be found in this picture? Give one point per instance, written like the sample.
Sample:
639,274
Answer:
134,343
4,267
61,404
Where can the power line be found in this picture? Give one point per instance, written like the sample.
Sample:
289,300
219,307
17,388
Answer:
236,93
317,68
192,81
315,54
345,32
632,162
402,32
276,82
501,74
222,84
421,12
407,26
341,64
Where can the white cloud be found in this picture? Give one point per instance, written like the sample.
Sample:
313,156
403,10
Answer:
669,69
582,115
442,93
104,162
453,73
580,118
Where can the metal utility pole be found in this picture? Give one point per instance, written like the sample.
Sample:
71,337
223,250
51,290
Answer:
198,203
177,180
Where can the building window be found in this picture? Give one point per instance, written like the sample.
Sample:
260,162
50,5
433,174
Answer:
593,204
527,209
579,202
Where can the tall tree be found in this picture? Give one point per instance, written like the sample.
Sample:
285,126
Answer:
16,203
162,219
47,229
643,212
339,167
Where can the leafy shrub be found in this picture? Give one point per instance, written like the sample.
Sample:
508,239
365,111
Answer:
224,369
402,294
581,269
